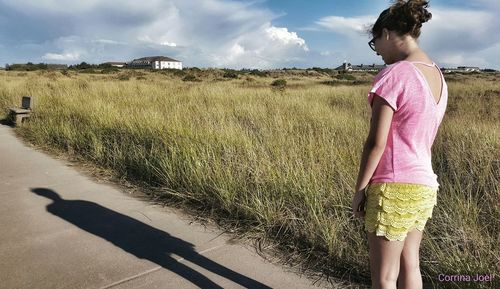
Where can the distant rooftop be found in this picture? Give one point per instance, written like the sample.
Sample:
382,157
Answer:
156,58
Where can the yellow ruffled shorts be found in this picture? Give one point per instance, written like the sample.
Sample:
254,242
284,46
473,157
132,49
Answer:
394,209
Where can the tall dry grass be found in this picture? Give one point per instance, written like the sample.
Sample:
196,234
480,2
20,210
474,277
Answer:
276,164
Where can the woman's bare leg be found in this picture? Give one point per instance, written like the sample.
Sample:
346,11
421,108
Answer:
385,259
409,275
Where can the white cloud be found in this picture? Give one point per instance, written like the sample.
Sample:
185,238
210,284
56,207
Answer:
459,37
453,37
64,7
236,51
327,53
107,41
146,39
352,45
225,34
350,26
166,43
198,32
461,28
265,47
287,38
62,57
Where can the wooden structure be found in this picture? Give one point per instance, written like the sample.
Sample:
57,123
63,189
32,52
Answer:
18,115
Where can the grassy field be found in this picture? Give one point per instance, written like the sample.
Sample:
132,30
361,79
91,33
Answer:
277,164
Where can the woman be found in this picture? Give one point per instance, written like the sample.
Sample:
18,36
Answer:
396,187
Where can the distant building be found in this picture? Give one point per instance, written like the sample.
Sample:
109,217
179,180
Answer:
156,62
116,64
469,68
461,69
361,67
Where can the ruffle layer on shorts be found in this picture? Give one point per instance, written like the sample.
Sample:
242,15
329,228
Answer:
394,209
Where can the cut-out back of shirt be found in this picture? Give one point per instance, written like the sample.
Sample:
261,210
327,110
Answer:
435,88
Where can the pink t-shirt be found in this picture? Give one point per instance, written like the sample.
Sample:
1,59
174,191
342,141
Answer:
416,119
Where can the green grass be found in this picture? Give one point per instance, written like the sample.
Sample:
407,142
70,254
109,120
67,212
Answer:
277,165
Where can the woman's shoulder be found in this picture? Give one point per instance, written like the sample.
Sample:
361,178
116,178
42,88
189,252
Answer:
395,70
399,65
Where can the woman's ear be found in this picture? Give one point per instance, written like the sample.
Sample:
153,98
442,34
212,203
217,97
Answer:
386,33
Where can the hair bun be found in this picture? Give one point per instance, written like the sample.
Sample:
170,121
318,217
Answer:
404,17
419,9
410,15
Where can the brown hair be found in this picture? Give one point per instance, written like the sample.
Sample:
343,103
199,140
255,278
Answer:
404,16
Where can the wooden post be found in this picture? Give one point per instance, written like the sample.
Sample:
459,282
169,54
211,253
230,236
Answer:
27,102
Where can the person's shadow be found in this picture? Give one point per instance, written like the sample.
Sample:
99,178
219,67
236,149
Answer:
141,240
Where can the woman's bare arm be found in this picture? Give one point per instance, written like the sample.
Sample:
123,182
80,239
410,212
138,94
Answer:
375,143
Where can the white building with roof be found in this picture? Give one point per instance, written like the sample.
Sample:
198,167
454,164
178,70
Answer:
461,69
360,67
156,62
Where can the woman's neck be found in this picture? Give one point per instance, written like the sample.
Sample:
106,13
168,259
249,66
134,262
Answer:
409,50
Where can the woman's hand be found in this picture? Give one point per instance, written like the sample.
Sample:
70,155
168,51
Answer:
358,203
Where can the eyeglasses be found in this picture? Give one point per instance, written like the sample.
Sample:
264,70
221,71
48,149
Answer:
371,43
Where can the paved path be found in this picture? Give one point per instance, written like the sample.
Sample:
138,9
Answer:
62,229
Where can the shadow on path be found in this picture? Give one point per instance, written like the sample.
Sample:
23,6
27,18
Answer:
141,240
7,122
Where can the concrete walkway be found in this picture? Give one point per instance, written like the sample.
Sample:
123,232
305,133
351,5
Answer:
62,229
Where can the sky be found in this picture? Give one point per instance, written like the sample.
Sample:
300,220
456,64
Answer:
261,34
